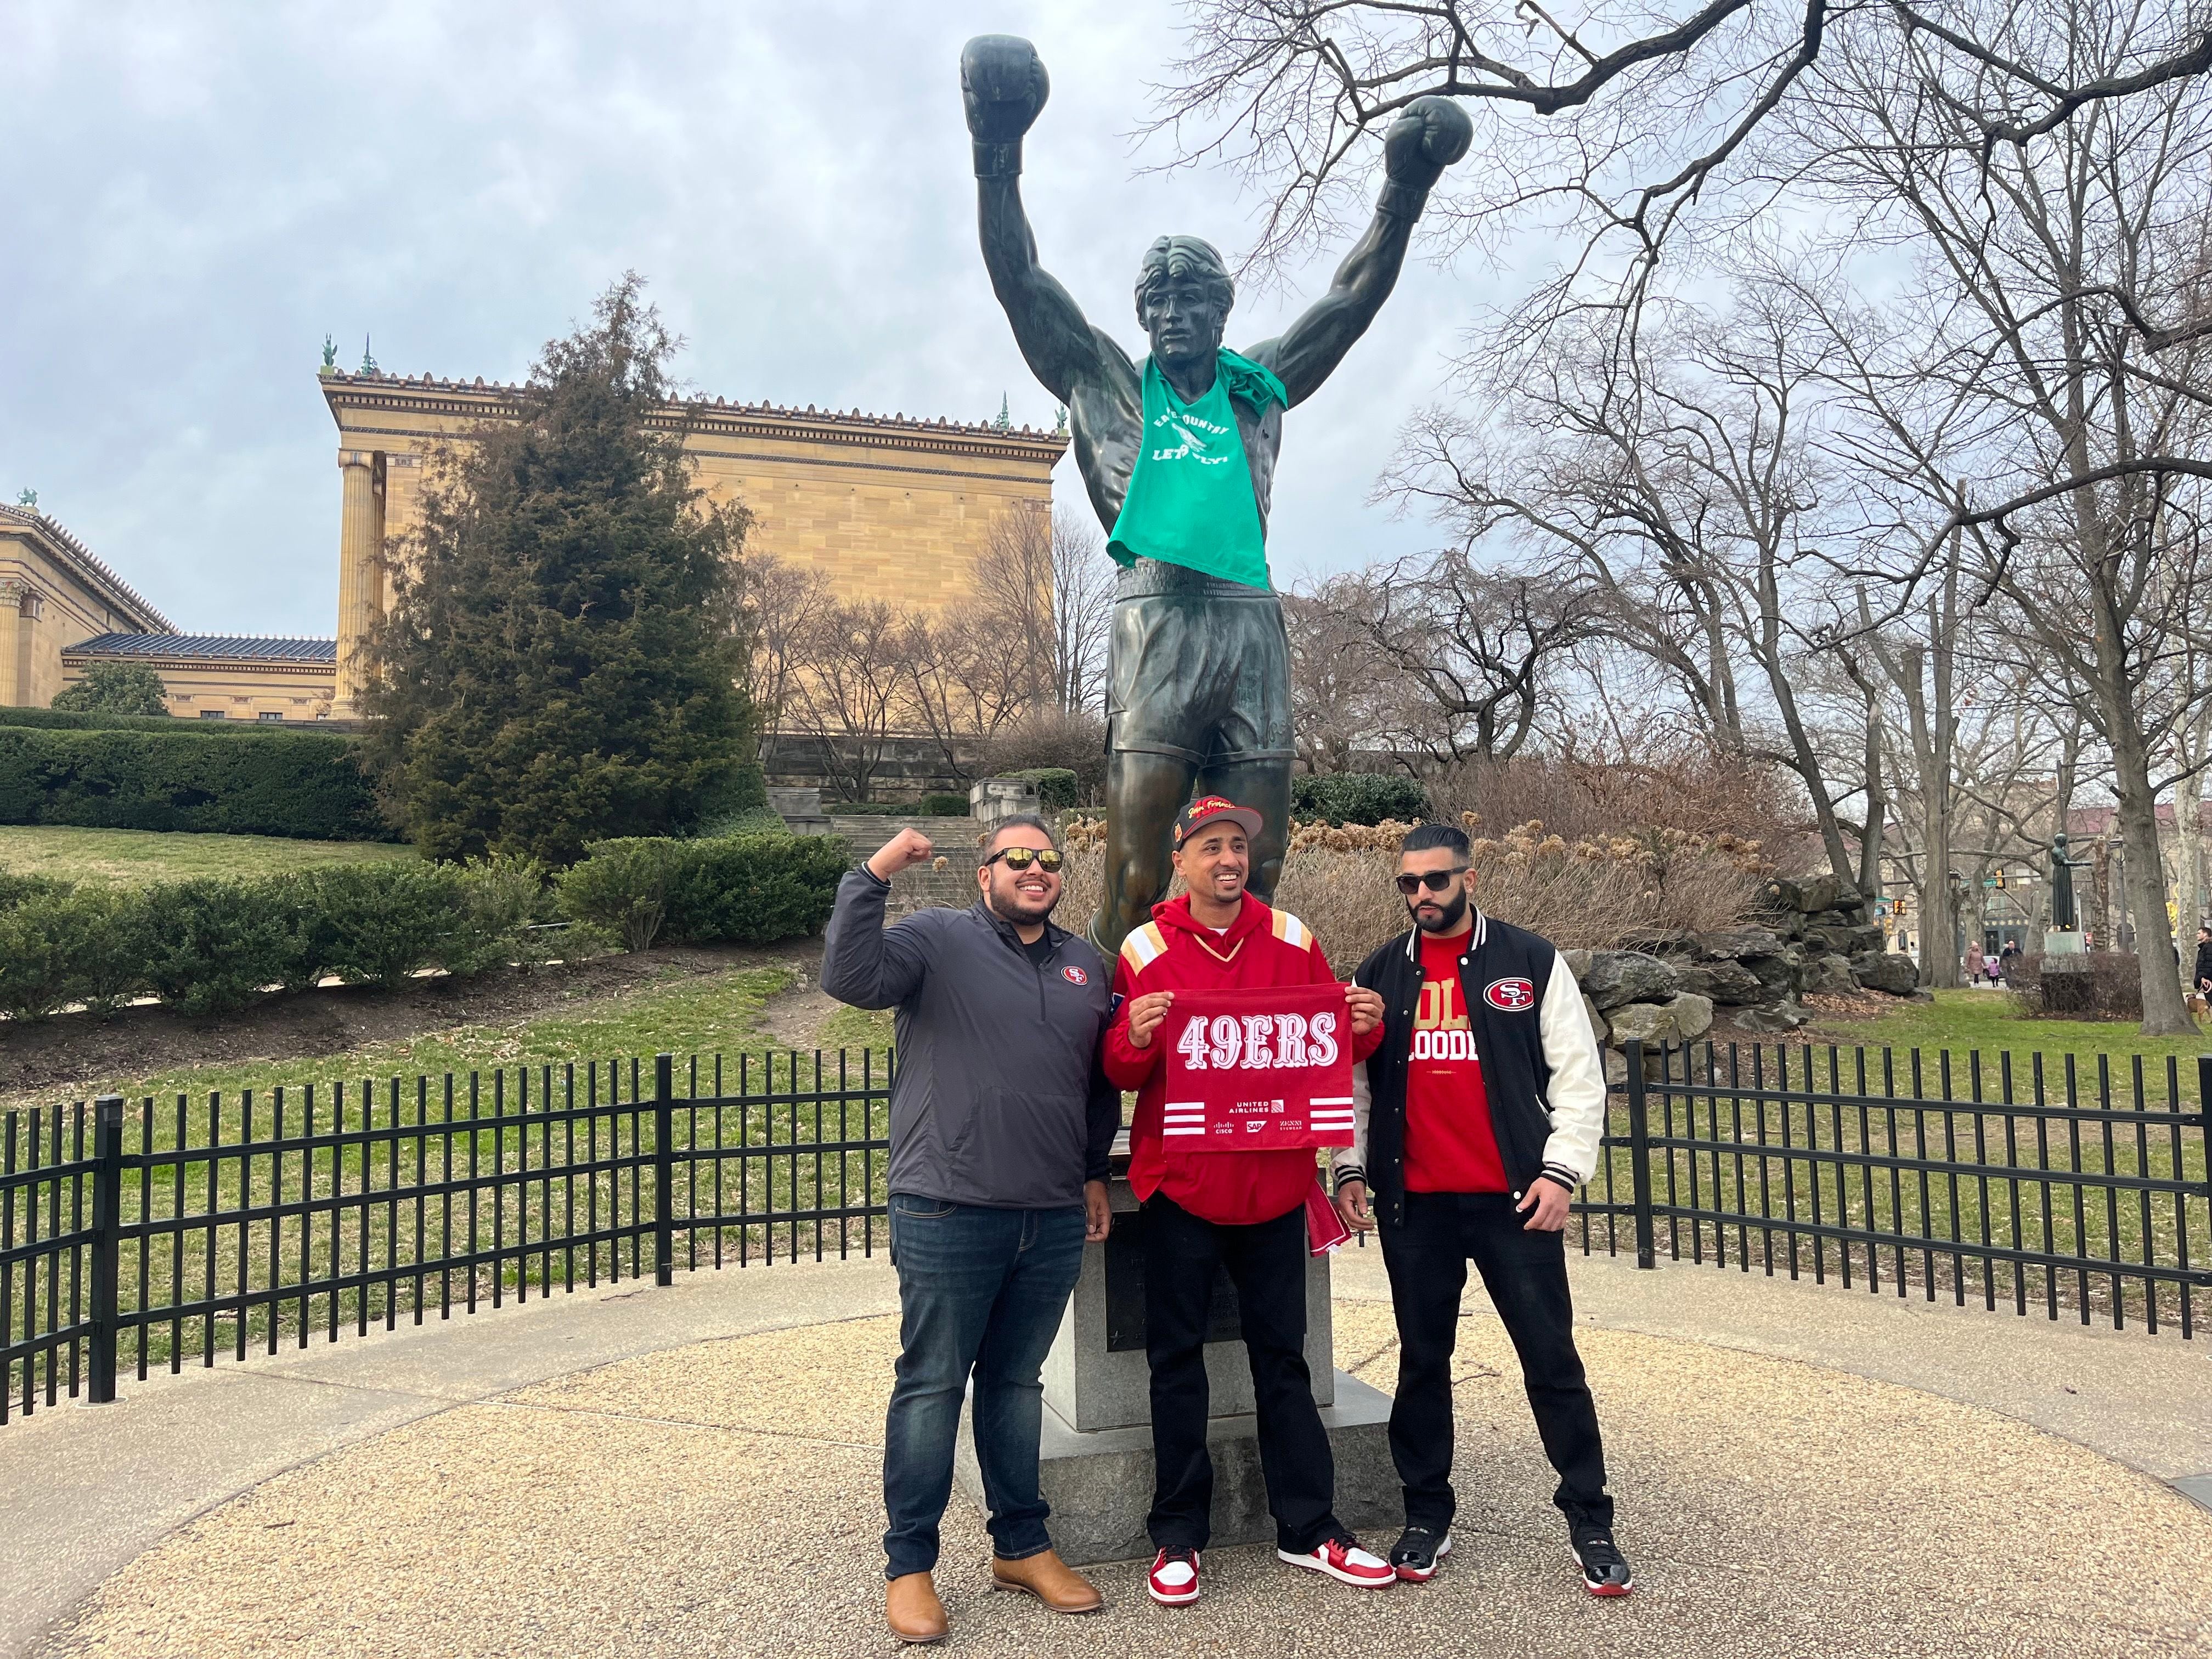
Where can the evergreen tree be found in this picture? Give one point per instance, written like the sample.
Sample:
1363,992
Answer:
564,658
116,687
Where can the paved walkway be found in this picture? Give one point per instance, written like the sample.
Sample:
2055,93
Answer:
693,1472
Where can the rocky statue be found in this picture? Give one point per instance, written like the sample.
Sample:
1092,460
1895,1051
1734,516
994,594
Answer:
1178,454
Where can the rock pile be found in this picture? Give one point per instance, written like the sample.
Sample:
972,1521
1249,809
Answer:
1813,936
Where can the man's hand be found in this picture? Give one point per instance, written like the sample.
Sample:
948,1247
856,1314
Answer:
1097,1212
1429,135
901,852
1351,1205
1003,85
1366,1008
1549,1200
1145,1013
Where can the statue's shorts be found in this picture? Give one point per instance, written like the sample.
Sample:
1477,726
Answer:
1198,670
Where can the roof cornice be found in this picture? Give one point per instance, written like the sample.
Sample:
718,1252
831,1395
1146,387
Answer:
86,566
717,417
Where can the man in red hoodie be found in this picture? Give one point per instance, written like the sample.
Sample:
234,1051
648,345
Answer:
1243,1211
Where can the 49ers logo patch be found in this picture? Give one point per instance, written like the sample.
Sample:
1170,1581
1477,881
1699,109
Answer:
1075,977
1515,996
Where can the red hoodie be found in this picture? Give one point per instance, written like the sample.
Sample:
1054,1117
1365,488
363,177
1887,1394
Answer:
1175,952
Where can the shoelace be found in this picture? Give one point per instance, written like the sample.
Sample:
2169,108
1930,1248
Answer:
1596,1549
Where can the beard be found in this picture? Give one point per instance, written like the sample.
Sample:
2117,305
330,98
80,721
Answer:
1453,913
1009,903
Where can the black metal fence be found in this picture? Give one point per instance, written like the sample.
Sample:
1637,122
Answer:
157,1234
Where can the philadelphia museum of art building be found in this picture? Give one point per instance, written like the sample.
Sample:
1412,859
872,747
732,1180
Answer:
887,506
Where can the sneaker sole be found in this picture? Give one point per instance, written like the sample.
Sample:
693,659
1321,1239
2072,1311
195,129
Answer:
1422,1575
1341,1576
1609,1591
1167,1600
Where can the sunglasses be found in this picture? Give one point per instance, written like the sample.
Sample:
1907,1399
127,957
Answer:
1434,880
1020,858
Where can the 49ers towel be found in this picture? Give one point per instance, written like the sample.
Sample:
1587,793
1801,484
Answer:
1257,1071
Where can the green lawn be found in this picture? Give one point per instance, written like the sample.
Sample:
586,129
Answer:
1962,1022
138,858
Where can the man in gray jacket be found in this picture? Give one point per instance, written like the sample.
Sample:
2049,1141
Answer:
1001,1123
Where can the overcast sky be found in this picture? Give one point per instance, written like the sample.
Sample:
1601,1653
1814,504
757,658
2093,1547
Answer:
194,195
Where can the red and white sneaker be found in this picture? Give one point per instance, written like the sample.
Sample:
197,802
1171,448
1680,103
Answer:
1173,1582
1342,1558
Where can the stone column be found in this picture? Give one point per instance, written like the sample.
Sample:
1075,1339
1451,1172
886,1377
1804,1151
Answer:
361,572
14,669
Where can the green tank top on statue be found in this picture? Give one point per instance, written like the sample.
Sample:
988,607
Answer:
1190,493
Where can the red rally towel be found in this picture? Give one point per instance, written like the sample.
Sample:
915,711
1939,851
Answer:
1325,1228
1262,1070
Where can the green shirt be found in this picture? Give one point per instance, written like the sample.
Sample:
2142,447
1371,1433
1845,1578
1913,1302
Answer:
1190,493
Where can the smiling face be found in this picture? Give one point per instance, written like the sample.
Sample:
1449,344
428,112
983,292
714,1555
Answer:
1214,863
1024,897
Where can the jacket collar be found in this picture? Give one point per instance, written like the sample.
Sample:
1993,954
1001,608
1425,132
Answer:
1005,929
1474,940
1251,916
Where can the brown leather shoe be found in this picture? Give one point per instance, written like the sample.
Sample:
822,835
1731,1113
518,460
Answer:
1048,1578
911,1607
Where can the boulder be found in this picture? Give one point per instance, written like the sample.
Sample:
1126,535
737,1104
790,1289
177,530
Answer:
1616,1068
1739,942
1598,1027
1887,972
1784,1016
1818,892
1849,941
1831,975
1683,1016
1780,975
1732,983
1615,977
1782,894
1577,962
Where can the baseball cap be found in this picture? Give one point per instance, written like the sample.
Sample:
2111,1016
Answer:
1206,809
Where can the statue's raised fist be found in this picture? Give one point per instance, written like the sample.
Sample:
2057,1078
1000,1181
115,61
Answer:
1429,135
1003,84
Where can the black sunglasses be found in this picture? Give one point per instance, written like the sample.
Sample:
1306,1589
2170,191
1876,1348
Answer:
1020,858
1434,880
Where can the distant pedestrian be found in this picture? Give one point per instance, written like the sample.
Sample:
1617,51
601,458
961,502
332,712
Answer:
2203,975
2009,959
1973,961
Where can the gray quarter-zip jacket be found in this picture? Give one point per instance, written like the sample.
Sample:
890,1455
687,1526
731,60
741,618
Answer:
998,1099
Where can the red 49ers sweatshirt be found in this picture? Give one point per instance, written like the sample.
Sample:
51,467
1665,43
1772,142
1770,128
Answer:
1175,952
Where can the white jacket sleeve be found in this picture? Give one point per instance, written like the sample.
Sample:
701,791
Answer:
1350,1163
1577,1090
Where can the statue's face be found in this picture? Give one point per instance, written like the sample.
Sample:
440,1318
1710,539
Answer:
1184,318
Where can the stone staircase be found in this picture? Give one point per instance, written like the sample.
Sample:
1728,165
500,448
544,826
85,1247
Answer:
913,889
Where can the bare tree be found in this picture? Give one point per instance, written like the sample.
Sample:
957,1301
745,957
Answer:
785,605
847,689
967,672
1043,582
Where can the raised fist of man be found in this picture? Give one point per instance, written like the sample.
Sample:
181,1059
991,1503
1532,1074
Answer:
1003,85
901,852
1429,135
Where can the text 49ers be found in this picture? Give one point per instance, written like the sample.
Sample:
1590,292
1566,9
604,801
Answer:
1257,1042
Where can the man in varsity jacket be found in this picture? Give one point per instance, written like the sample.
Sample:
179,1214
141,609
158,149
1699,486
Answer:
1478,1117
1245,1211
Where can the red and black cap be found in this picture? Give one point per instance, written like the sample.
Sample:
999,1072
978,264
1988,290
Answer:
1207,808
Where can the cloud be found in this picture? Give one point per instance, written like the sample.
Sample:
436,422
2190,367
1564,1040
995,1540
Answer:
196,194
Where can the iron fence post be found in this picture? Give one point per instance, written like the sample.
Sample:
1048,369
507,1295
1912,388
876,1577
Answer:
106,1247
664,1169
1639,1156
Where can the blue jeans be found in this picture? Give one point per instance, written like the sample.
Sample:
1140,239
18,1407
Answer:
981,1291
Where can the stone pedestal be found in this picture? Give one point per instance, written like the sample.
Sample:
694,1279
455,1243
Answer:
994,798
1096,1454
800,809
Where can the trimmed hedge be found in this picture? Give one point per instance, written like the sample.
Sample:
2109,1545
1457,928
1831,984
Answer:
1341,798
72,720
211,945
737,890
301,784
946,806
1058,787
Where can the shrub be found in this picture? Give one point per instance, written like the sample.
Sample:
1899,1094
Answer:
14,889
947,806
1058,788
61,945
116,687
1058,739
741,890
64,720
300,784
2108,985
378,923
1368,798
751,821
206,947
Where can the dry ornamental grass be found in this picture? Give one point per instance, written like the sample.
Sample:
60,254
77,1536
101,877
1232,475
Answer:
1597,893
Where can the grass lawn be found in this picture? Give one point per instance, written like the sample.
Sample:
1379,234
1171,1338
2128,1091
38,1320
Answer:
138,858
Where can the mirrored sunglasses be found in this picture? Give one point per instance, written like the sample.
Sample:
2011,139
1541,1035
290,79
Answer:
1020,858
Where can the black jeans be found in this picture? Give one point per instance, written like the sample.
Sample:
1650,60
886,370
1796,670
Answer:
1526,1275
1268,1264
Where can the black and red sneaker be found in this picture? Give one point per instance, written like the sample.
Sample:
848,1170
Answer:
1605,1569
1342,1559
1173,1580
1417,1551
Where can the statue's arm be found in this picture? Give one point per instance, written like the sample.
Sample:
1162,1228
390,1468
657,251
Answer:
1428,136
1061,349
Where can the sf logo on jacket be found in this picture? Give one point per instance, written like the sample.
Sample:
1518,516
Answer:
1515,996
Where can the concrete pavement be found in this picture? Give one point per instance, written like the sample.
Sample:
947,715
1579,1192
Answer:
694,1471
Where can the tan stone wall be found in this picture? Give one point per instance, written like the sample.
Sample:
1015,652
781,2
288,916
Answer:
888,508
47,604
298,692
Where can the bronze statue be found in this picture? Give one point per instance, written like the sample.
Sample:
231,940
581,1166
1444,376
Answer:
1178,454
2064,917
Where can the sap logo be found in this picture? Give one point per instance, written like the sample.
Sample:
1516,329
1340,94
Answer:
1515,996
1258,1043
